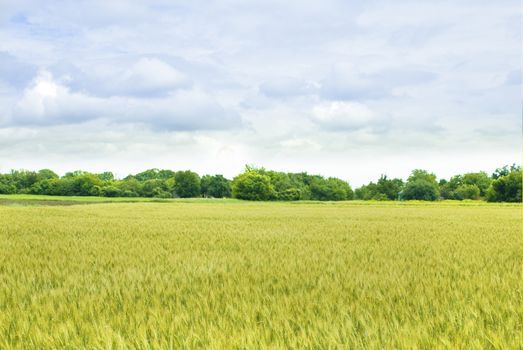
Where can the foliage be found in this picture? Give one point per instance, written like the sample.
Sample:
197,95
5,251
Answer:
421,185
448,188
216,186
186,184
480,179
252,185
505,170
384,189
290,186
420,190
265,184
506,188
467,191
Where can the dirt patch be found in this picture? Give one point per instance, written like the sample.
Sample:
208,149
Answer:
32,202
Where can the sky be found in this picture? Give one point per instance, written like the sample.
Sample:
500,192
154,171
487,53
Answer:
352,89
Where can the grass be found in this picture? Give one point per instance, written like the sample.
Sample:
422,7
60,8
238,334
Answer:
230,274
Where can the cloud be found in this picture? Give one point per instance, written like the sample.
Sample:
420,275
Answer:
146,77
142,77
347,83
48,102
514,77
282,87
342,116
14,71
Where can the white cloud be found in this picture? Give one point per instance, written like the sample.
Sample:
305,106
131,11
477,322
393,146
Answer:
146,77
48,102
342,116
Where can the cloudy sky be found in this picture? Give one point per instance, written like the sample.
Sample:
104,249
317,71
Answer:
342,88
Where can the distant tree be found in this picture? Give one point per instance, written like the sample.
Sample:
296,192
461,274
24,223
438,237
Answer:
130,187
480,179
505,170
384,189
252,186
390,188
6,185
46,174
215,186
110,191
420,190
340,190
506,188
154,174
106,176
467,191
421,185
75,173
85,185
299,185
366,192
290,194
154,188
23,180
448,188
331,189
419,174
186,184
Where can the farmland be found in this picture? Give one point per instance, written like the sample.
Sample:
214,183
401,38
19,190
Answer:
230,274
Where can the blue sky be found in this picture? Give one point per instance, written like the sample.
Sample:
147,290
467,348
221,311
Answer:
351,89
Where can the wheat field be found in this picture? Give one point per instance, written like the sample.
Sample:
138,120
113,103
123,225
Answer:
238,275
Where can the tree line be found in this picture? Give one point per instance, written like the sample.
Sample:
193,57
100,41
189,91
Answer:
504,185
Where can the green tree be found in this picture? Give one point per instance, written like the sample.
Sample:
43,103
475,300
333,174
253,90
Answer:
448,188
331,189
85,185
419,174
130,187
506,188
252,186
390,188
420,190
6,184
421,185
106,176
505,170
216,186
154,188
186,184
467,191
480,179
110,191
46,174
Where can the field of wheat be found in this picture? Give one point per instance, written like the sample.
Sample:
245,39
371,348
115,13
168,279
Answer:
239,275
